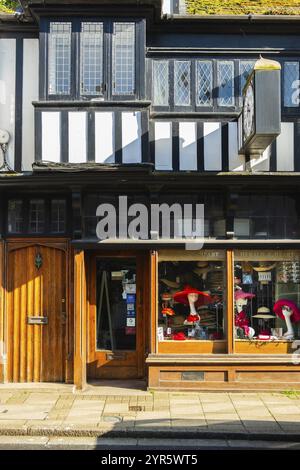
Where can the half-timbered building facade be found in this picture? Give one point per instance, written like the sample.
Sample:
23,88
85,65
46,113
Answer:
142,100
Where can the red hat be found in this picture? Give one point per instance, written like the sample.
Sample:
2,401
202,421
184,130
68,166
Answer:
180,336
182,296
288,303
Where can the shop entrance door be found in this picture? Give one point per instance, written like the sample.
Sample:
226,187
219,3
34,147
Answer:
116,333
36,312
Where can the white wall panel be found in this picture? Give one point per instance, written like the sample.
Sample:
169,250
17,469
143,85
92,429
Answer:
7,92
261,163
212,146
187,146
104,137
131,137
163,145
285,147
51,136
77,137
30,93
236,161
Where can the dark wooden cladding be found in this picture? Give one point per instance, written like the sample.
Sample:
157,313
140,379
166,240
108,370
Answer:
36,352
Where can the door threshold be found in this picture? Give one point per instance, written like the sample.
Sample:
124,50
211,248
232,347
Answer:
117,387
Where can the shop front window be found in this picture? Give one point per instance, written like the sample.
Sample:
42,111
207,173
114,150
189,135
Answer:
191,298
267,296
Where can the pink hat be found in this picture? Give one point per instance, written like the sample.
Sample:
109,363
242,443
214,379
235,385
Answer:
240,294
288,303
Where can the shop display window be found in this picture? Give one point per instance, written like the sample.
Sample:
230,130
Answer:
267,296
191,300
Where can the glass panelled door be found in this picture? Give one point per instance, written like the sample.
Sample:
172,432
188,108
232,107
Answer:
115,323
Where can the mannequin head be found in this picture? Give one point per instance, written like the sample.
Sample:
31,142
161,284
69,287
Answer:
287,311
193,297
240,304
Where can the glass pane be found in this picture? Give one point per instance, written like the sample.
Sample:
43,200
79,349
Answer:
182,79
91,58
226,83
161,82
191,300
37,216
124,59
116,304
204,83
15,216
291,84
246,67
58,216
60,58
263,291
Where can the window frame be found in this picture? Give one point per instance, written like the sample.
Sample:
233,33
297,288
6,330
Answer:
194,106
47,232
75,85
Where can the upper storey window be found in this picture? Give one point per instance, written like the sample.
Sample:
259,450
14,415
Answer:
94,59
91,59
60,58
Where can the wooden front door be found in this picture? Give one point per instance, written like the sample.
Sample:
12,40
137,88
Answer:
116,327
36,313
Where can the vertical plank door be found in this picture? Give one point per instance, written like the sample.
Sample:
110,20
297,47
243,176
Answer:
36,293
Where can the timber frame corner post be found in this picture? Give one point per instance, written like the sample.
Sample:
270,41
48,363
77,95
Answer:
2,312
80,320
230,301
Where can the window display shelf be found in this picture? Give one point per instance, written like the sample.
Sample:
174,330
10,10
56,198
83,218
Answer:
192,347
256,346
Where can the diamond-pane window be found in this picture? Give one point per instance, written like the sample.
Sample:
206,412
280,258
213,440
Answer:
124,59
204,83
182,80
161,82
226,83
291,84
91,58
246,67
60,58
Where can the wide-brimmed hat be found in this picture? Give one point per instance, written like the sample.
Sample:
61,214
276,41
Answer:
295,317
182,296
240,294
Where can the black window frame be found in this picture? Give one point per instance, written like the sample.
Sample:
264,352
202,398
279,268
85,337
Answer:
47,232
193,107
75,94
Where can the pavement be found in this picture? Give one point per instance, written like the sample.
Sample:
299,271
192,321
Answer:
45,415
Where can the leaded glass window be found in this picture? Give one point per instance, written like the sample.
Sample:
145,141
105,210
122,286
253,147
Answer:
60,58
37,216
204,82
291,84
58,216
226,83
161,82
123,59
91,58
182,81
246,67
15,216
